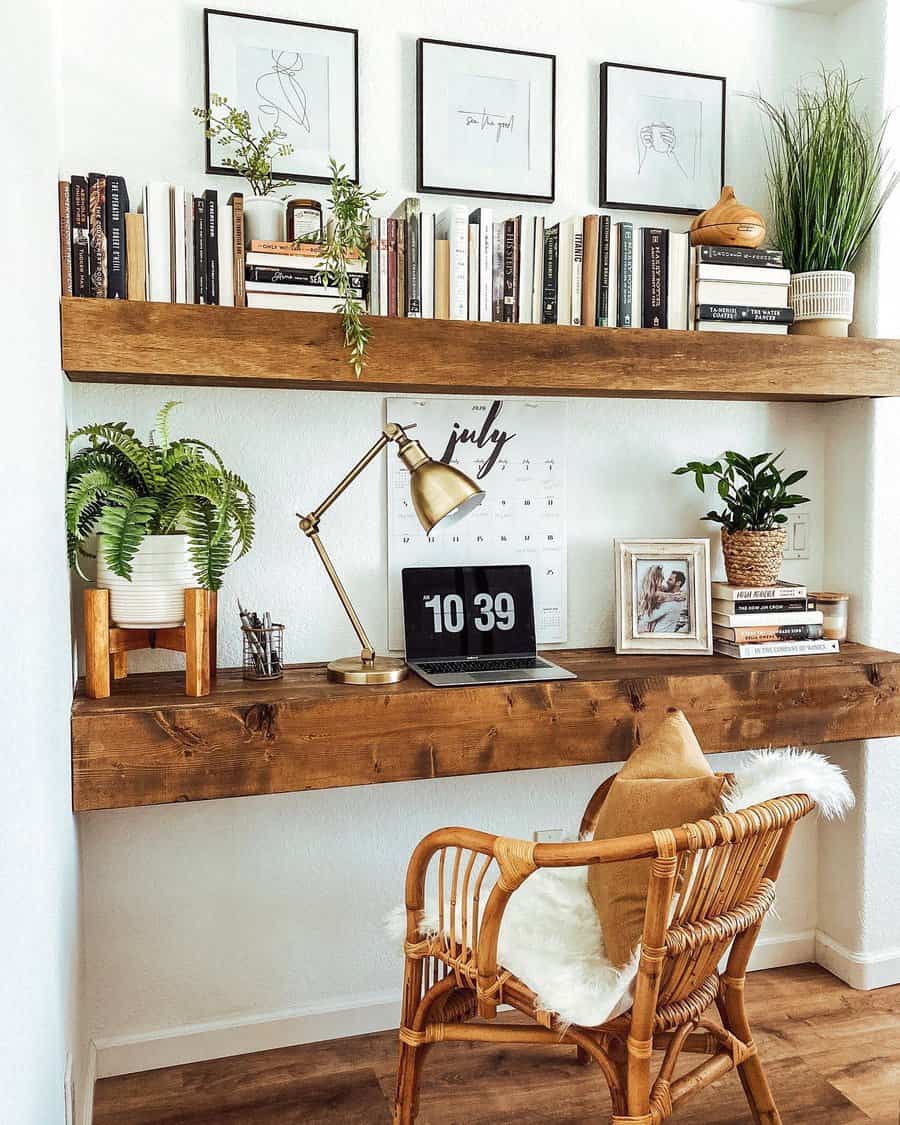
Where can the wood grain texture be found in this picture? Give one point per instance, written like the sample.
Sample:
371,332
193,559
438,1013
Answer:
149,744
835,1056
140,342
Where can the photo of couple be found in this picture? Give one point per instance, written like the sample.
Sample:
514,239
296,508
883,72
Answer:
662,602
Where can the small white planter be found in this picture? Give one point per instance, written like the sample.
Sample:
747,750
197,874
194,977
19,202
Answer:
264,218
822,302
154,598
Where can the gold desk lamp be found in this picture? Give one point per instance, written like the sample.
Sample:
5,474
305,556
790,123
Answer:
440,494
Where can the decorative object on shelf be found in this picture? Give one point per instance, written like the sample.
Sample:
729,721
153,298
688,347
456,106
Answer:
106,646
829,177
263,646
663,600
297,78
728,223
662,138
755,494
439,494
835,613
304,221
486,121
253,156
168,512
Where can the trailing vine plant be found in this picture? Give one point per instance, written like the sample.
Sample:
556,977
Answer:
253,155
127,489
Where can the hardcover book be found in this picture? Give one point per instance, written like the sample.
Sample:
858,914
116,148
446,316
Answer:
409,213
754,634
782,605
117,260
603,274
391,267
739,620
236,201
483,217
775,648
577,269
136,256
97,228
81,254
624,238
65,238
211,240
590,270
754,314
654,277
510,271
200,251
745,275
780,590
452,224
306,278
551,269
741,256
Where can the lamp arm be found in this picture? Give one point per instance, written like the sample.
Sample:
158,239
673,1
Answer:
368,652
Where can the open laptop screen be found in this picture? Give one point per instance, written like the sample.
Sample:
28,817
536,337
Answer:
450,612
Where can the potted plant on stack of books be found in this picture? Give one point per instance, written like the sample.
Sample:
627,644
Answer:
756,495
168,512
828,185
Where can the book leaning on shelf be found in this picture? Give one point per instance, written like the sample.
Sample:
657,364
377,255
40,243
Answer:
753,622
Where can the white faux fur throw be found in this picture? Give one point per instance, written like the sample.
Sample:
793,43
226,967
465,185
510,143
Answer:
551,937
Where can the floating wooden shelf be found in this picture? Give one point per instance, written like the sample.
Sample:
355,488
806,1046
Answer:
150,744
138,342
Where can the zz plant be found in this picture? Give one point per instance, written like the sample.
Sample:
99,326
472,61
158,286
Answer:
754,490
127,489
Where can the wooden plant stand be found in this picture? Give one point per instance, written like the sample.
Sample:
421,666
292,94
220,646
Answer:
107,646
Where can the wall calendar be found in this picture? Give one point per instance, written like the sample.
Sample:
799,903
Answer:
515,449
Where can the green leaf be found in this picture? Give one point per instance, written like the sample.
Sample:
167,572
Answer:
124,524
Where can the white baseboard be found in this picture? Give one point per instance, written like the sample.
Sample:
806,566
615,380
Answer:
779,950
864,971
85,1105
245,1033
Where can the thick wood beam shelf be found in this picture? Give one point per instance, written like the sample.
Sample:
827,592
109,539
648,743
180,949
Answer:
139,342
150,744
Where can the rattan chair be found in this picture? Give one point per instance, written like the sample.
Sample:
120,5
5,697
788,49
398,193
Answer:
711,884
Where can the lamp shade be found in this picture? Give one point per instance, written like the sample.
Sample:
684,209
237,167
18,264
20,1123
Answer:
442,494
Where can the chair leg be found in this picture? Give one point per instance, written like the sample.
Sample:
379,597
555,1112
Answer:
750,1071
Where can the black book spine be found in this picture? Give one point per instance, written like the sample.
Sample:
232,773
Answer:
211,239
81,259
116,208
315,278
625,234
654,277
551,272
790,605
509,271
200,251
741,256
745,313
97,228
603,273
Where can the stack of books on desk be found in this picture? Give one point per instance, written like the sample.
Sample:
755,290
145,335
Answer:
739,289
285,275
760,621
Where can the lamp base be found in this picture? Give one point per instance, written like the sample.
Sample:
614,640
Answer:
381,670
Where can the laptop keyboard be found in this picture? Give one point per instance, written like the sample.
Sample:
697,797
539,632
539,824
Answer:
507,664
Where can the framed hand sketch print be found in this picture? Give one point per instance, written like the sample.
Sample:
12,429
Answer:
486,121
662,139
663,602
300,77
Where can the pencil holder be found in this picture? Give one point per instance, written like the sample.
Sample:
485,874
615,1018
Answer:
263,648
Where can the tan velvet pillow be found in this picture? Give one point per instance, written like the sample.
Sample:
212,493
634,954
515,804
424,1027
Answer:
666,782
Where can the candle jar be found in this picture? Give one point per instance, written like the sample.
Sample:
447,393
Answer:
835,611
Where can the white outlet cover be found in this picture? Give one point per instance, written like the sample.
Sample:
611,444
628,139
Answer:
548,836
797,529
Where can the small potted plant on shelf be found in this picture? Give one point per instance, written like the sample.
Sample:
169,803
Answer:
828,180
253,157
168,512
756,495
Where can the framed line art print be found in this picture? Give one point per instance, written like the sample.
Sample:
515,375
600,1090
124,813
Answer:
663,600
486,121
298,77
662,139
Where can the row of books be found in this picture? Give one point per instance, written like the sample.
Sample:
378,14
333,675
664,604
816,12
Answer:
748,293
779,620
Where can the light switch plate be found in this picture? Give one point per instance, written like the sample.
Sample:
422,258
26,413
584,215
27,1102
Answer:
797,529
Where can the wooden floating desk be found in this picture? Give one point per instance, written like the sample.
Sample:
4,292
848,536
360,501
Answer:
150,744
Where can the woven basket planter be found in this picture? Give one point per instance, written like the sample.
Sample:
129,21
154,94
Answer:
753,558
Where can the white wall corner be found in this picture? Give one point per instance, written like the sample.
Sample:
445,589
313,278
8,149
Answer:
84,1113
863,971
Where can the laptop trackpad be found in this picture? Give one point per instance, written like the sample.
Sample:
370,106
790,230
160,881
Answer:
498,677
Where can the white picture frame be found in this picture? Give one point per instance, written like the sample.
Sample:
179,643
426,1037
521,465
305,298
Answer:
655,612
486,121
302,77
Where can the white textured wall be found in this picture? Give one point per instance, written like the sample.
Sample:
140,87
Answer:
39,951
235,909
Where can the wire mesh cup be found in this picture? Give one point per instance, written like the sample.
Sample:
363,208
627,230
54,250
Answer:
263,649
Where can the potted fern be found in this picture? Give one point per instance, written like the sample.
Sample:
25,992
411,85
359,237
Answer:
828,180
756,495
168,512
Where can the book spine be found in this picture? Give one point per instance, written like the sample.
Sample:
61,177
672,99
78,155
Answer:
392,266
316,279
485,266
509,271
382,280
237,238
577,271
756,593
97,226
741,256
65,238
117,265
441,279
199,251
756,634
654,313
136,255
81,268
626,265
551,270
788,605
603,272
745,313
590,270
498,241
401,267
413,259
373,265
459,265
474,272
537,281
294,249
211,245
776,648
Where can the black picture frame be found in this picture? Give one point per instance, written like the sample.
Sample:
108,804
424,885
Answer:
447,189
660,208
294,177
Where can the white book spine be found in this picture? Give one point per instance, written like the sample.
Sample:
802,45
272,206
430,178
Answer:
577,268
485,220
677,306
776,648
537,298
179,248
564,273
692,288
453,225
226,255
612,318
374,230
382,267
157,212
734,293
526,270
637,278
747,275
474,301
426,233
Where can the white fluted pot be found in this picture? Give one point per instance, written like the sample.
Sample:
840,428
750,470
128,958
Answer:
154,597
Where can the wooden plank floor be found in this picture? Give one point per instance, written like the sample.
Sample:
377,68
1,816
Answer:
832,1054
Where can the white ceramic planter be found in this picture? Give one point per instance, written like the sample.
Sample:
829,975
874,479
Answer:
154,598
822,302
264,218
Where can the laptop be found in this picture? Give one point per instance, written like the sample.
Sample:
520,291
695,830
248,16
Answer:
472,625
